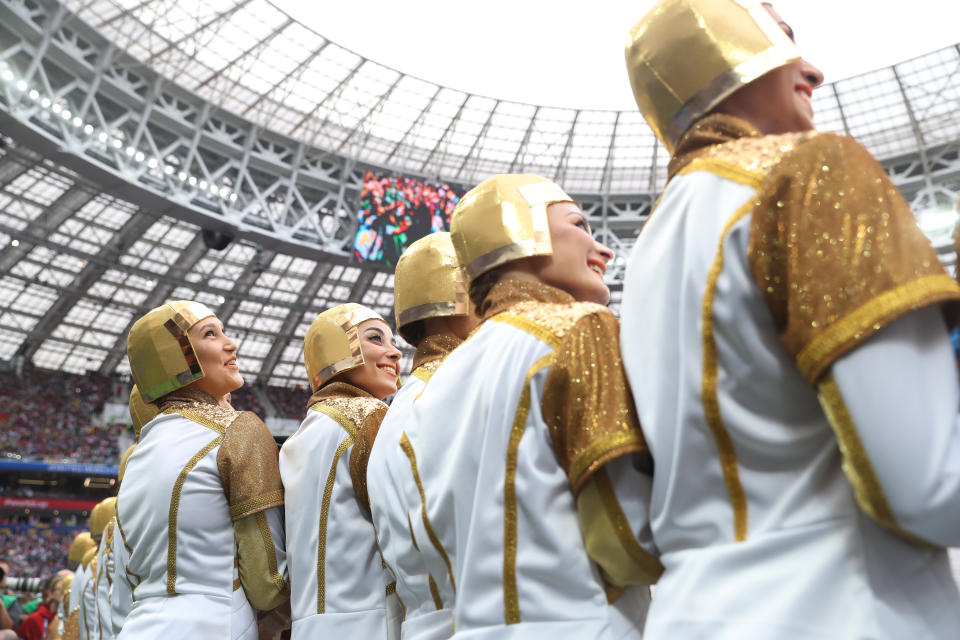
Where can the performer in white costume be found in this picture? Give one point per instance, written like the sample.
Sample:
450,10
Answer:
803,411
524,447
338,583
200,509
56,627
121,593
70,597
433,314
101,531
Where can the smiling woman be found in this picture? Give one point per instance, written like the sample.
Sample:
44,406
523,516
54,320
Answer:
352,365
526,436
199,509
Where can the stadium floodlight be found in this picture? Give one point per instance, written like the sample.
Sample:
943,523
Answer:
117,143
153,163
45,102
77,121
88,129
21,85
7,75
139,156
57,107
103,137
33,94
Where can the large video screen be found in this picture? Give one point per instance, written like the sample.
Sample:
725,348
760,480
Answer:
394,212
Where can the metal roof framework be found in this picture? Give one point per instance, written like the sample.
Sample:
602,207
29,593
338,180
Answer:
129,127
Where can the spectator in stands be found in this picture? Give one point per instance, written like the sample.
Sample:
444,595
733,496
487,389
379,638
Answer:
36,625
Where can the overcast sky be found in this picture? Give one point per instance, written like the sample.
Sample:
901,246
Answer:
570,54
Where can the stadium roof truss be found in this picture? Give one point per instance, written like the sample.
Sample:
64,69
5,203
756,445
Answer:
133,128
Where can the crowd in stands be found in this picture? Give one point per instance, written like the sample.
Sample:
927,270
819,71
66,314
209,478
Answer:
54,417
289,402
245,399
58,417
35,550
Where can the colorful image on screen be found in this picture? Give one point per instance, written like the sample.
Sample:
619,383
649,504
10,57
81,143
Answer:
394,212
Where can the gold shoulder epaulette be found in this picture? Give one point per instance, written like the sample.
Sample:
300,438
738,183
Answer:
749,159
354,410
555,319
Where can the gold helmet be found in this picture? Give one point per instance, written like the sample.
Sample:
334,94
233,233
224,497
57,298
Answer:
685,56
332,343
428,282
81,543
140,412
123,462
101,515
88,557
161,356
65,585
502,219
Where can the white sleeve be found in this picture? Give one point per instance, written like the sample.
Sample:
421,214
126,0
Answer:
121,595
901,392
614,511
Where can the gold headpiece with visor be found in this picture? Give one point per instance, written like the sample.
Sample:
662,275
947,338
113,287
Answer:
82,542
428,282
502,219
161,355
685,56
140,412
332,343
101,515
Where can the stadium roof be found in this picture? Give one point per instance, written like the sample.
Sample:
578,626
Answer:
92,236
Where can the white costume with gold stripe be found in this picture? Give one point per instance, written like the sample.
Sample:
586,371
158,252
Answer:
766,261
200,512
121,594
492,504
424,616
337,581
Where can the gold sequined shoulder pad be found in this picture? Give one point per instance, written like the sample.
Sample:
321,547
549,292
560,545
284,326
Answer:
556,319
751,158
353,409
199,407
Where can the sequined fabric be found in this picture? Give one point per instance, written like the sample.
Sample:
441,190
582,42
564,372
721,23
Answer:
586,402
363,414
249,467
837,253
734,142
199,402
508,292
432,350
247,458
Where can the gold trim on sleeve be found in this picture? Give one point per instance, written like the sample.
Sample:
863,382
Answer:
258,503
511,601
431,534
435,593
175,507
609,539
856,463
824,349
711,402
324,515
270,550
